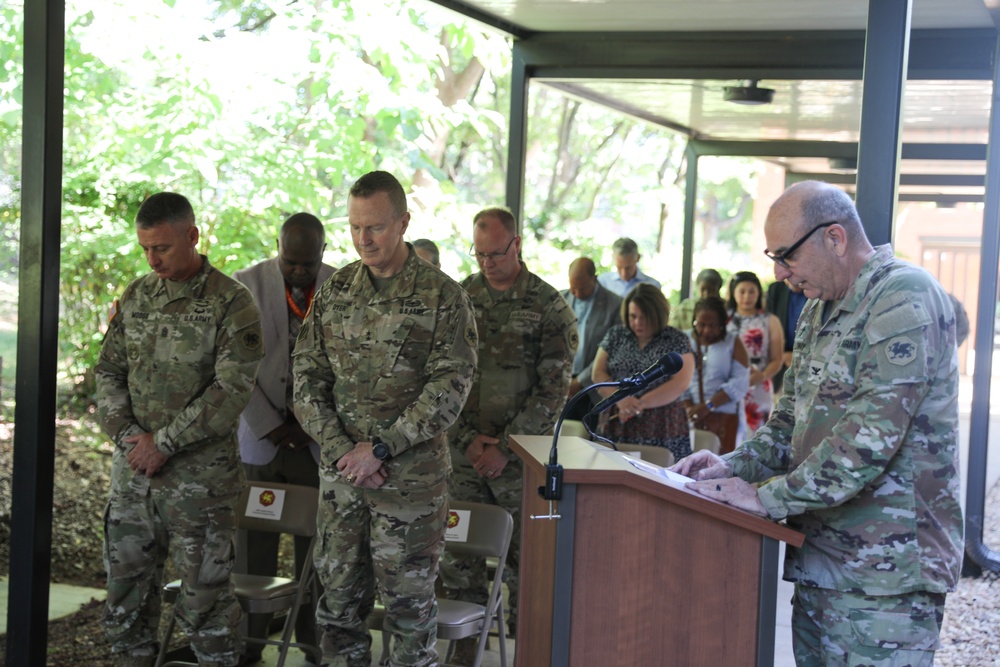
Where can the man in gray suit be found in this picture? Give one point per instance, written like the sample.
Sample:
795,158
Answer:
273,446
597,310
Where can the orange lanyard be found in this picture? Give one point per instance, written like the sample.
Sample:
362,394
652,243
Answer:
294,306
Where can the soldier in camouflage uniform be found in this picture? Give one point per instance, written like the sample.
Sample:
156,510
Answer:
528,338
176,369
861,452
382,367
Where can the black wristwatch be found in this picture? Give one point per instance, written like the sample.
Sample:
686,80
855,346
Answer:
380,450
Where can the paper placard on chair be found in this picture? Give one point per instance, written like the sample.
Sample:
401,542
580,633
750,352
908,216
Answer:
265,503
458,526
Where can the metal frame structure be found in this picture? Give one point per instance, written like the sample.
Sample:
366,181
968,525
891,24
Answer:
948,54
931,54
37,333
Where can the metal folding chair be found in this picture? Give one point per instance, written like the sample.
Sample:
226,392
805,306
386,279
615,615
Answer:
489,532
259,594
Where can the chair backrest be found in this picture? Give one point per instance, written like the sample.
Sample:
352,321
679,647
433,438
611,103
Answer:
706,440
573,427
273,507
489,530
661,456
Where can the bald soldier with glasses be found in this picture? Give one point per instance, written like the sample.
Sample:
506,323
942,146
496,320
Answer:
861,451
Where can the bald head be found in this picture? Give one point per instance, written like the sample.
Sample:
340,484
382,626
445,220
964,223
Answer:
805,205
300,249
816,238
582,278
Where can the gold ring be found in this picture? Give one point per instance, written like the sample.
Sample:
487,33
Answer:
350,478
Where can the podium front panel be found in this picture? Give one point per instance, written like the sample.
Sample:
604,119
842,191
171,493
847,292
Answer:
628,577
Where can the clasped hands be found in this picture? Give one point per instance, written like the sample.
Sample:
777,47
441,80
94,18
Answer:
697,412
289,435
144,458
715,480
486,459
360,468
628,408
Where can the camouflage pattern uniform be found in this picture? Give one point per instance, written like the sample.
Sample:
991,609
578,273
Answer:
528,337
181,367
398,364
861,455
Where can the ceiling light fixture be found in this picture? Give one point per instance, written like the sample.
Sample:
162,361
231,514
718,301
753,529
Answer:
748,93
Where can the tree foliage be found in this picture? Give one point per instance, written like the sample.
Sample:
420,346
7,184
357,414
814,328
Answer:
256,110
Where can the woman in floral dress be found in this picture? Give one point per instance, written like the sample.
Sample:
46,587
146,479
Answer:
764,339
655,416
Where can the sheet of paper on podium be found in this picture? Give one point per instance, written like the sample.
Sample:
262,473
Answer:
661,475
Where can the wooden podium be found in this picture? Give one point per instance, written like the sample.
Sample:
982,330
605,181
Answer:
637,572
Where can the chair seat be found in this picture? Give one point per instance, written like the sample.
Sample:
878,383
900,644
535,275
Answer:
252,586
454,612
261,587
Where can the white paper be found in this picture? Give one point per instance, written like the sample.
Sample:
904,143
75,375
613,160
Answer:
656,470
265,503
458,526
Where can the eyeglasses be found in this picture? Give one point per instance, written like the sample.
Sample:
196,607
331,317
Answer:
782,257
483,256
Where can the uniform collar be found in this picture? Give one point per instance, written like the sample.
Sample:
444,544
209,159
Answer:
192,286
859,289
516,291
403,284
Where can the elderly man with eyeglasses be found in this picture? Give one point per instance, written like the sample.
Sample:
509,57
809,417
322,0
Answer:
861,452
527,340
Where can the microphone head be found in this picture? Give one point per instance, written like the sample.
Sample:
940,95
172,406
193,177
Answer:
671,363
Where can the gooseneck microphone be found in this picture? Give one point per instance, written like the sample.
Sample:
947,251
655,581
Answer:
665,366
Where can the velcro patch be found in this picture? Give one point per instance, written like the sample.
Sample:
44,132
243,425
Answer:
250,339
900,350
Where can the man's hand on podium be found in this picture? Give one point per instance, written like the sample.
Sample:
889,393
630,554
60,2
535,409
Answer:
733,491
703,464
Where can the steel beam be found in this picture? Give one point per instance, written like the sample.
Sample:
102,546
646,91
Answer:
517,138
37,333
492,20
978,555
953,54
886,51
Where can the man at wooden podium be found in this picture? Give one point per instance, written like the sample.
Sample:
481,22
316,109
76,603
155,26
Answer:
861,452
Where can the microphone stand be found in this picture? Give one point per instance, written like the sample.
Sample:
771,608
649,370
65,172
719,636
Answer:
553,471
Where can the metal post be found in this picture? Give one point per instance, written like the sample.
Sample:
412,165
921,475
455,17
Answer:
690,207
518,132
37,332
978,555
887,45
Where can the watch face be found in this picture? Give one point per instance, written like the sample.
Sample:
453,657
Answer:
380,450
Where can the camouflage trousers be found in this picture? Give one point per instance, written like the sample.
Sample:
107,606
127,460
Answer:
832,628
140,532
391,539
464,577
